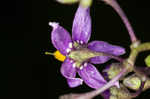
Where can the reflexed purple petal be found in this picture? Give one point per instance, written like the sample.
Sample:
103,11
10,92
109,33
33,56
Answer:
60,37
99,59
101,46
81,29
91,76
69,72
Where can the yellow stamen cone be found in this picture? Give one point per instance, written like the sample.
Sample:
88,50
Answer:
59,56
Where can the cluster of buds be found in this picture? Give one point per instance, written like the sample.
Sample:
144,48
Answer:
129,83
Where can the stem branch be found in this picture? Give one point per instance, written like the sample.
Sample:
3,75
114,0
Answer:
135,51
118,9
105,87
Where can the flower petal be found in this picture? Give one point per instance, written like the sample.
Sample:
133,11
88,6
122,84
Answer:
81,29
69,72
91,76
60,37
101,46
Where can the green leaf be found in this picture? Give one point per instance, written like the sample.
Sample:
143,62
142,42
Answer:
147,60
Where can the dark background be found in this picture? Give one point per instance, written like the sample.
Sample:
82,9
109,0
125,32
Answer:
26,73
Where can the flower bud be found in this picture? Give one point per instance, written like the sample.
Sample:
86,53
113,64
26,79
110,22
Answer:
147,60
114,70
120,93
67,1
133,82
86,3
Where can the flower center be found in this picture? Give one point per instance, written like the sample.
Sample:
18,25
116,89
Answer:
80,55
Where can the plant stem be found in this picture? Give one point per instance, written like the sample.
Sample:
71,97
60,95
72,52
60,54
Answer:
118,9
135,51
105,87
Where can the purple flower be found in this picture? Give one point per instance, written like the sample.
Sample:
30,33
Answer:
79,54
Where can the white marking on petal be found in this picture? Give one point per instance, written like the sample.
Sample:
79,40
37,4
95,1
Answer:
70,45
53,24
78,41
74,65
68,50
81,67
81,81
85,64
81,42
71,61
92,72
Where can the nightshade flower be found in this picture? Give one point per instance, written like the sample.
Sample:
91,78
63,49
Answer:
79,54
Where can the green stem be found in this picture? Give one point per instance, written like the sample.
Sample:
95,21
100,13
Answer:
105,87
136,50
118,9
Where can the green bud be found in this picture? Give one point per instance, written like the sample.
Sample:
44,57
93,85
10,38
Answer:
132,82
113,97
147,84
114,91
119,93
86,3
114,70
67,1
147,60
